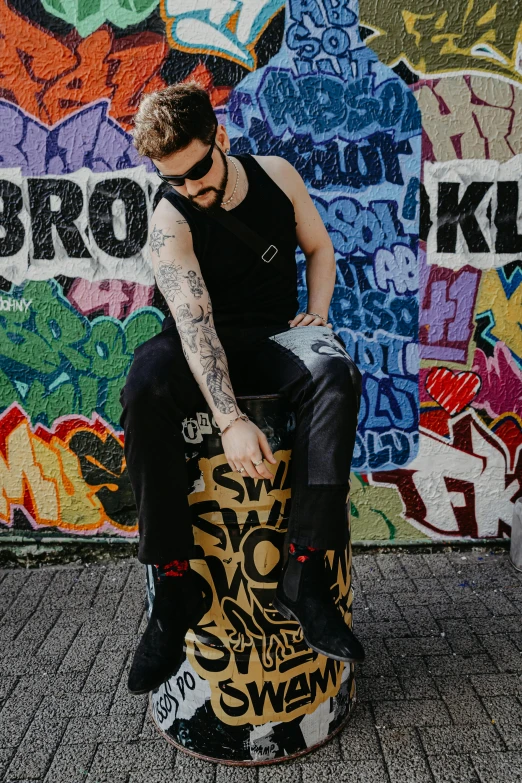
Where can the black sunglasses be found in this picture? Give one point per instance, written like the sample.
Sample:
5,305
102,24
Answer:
197,171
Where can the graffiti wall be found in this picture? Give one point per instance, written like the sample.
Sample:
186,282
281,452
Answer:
403,119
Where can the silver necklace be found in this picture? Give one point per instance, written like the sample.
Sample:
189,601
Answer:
235,186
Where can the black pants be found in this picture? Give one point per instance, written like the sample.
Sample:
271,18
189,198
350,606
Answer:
308,364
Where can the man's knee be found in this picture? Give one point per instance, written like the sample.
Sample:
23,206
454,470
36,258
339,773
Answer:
149,378
342,377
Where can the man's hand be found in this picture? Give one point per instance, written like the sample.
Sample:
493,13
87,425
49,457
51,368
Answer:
304,319
244,443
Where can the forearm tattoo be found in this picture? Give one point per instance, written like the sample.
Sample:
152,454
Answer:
212,355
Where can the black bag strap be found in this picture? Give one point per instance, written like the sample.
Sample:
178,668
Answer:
268,253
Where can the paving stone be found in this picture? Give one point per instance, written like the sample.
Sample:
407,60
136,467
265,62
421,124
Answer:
16,716
422,687
460,637
71,763
383,607
424,597
6,754
420,621
328,752
494,684
411,667
512,735
106,670
282,773
494,625
53,683
76,705
115,579
359,739
120,757
453,769
422,645
381,629
506,656
363,771
381,688
459,739
377,660
439,565
147,776
423,712
390,566
402,741
471,606
461,700
449,665
228,774
58,641
35,753
411,769
103,728
498,604
193,770
504,709
7,684
415,566
499,767
81,653
126,703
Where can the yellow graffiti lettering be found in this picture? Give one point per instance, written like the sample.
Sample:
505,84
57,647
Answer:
258,664
445,37
506,313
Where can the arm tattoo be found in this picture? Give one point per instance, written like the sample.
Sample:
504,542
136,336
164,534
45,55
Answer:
157,239
215,368
169,280
185,221
212,355
196,284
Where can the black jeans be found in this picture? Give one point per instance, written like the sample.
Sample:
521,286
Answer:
308,364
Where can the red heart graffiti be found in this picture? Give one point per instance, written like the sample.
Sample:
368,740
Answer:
452,390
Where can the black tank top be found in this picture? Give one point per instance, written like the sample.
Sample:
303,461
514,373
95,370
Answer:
244,290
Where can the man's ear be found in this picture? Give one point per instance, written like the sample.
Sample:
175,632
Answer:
222,136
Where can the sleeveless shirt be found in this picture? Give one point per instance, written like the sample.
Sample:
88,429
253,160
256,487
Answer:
244,290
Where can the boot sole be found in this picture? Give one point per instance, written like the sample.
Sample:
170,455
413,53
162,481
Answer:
286,612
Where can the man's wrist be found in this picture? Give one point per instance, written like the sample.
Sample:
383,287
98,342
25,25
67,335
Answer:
222,419
318,314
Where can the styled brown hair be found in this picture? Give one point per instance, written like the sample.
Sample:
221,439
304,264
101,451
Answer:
169,120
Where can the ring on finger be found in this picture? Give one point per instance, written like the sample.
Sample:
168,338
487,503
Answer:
241,470
257,463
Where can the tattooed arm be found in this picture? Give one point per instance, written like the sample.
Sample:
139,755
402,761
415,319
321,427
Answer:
178,275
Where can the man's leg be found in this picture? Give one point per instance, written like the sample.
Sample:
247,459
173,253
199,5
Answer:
311,367
159,393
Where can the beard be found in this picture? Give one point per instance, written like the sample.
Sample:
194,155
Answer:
219,191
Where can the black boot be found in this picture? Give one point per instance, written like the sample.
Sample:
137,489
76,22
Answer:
304,595
178,605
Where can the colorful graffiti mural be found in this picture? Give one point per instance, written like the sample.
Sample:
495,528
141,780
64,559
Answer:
404,126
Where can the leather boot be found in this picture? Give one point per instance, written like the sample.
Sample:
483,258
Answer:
178,605
303,594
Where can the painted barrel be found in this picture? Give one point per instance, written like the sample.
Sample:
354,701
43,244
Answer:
249,691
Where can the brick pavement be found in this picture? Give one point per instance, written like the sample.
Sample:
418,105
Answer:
439,697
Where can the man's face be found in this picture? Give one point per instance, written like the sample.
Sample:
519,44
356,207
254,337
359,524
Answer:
207,192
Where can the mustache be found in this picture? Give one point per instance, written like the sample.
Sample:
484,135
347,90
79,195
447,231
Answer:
207,190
